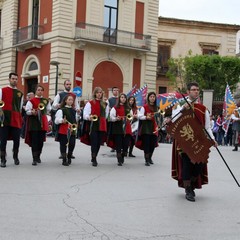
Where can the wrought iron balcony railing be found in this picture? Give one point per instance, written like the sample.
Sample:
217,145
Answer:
162,70
94,33
27,34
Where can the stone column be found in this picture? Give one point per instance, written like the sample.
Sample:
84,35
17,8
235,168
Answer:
208,99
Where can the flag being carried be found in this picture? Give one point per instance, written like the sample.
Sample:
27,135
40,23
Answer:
167,100
228,107
140,96
132,91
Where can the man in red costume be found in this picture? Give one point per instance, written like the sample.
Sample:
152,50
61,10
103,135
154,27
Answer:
188,174
12,119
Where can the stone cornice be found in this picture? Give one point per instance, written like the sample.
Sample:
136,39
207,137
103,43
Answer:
213,46
197,24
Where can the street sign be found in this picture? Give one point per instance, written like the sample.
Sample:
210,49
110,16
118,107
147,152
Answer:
77,91
78,79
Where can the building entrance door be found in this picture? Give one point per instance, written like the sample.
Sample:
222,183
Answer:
31,84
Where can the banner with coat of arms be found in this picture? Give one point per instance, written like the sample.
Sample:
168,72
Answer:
190,136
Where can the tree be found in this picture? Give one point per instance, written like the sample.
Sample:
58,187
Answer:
210,71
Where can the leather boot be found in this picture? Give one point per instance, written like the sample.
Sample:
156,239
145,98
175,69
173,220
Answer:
150,158
188,190
119,158
193,182
147,159
94,160
35,158
38,157
69,158
15,157
130,152
235,147
123,155
3,159
64,159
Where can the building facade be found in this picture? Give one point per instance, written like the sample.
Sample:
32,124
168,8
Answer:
96,42
176,37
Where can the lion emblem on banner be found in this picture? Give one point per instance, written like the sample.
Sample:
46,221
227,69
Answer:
187,132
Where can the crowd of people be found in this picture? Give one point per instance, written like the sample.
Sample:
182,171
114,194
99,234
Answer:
116,121
226,131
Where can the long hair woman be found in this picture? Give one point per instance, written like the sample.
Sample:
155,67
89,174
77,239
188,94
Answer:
37,123
148,132
95,114
121,128
66,118
132,104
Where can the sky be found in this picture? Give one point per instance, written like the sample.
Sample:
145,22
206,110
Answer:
216,11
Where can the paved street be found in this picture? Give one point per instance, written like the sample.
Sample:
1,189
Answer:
132,202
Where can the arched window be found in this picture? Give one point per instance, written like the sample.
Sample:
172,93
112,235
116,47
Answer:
33,66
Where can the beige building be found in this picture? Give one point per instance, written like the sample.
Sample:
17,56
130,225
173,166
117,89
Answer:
176,37
105,43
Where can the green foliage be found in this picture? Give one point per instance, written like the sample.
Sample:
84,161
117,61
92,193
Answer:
210,71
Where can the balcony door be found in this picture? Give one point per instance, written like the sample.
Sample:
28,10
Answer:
110,21
35,19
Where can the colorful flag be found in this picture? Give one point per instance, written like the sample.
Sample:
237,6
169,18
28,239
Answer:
167,100
228,107
132,91
141,95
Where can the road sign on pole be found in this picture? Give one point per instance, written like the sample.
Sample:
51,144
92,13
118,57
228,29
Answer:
78,78
77,91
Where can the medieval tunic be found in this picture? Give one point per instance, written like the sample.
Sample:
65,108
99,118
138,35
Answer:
147,127
66,135
38,123
94,132
123,126
13,100
11,118
202,114
121,131
59,98
71,116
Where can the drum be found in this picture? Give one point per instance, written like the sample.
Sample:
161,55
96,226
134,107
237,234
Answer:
135,126
49,132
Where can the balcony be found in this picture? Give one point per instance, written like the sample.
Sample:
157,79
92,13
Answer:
111,37
162,70
28,37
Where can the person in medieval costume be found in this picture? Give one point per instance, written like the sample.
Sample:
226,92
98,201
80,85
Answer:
112,101
37,109
188,174
67,118
94,131
121,116
134,124
58,100
11,102
148,128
